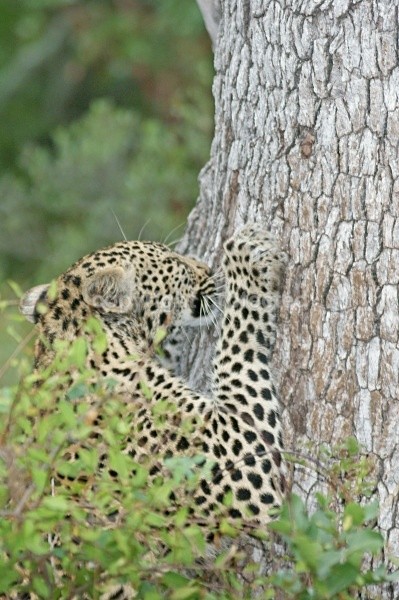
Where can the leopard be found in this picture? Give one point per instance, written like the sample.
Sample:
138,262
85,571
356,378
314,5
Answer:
137,288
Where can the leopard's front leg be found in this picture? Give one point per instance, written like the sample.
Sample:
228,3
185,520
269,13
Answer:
246,422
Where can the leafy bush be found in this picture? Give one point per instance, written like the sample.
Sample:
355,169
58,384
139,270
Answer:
333,549
328,550
102,523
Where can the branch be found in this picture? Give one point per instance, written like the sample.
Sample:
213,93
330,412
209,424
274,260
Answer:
212,13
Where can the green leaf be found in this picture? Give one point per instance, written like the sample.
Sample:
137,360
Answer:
228,498
329,559
352,446
119,463
38,455
226,528
52,290
40,479
183,593
181,516
78,353
159,336
371,511
99,340
139,478
146,391
364,541
155,520
8,577
353,516
174,580
298,513
40,587
148,591
357,515
341,578
196,537
56,503
78,390
36,544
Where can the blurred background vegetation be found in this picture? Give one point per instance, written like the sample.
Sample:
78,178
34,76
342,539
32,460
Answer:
105,114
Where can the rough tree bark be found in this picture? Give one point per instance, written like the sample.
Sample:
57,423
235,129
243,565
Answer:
306,140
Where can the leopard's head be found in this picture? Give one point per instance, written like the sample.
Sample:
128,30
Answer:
133,288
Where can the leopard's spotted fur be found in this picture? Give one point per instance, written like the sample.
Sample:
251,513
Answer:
134,288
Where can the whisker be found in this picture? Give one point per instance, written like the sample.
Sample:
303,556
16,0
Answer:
207,310
203,311
216,274
217,277
119,225
215,304
175,242
210,312
190,341
218,285
143,227
219,288
218,270
186,336
214,320
172,231
18,349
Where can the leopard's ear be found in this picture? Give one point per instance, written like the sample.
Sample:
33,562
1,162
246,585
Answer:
31,301
110,290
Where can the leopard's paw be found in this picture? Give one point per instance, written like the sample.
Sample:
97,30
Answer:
254,253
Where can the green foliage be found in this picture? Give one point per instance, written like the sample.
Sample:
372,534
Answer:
79,514
112,531
330,546
328,550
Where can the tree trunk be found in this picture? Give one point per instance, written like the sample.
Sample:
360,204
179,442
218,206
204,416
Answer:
306,140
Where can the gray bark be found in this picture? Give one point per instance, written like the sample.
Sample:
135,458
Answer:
306,140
